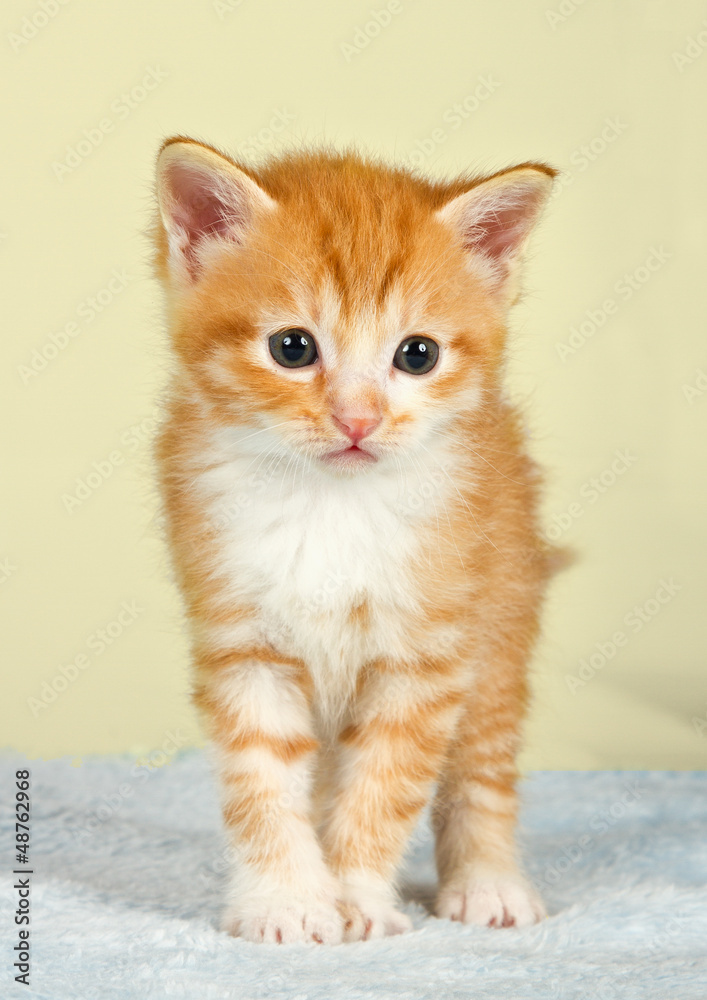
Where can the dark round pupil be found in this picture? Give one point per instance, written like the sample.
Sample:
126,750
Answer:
416,353
294,346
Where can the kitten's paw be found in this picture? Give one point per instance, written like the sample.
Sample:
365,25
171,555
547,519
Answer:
367,904
503,901
368,921
290,921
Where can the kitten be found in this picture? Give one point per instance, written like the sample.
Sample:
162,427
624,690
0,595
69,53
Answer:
352,518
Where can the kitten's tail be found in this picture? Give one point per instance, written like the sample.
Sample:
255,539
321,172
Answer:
559,557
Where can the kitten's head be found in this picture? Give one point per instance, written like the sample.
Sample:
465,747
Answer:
352,309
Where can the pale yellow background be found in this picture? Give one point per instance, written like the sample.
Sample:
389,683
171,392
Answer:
558,72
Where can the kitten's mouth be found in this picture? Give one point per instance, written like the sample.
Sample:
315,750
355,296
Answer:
350,456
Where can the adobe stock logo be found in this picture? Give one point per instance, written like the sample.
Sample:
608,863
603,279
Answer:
582,157
121,108
600,824
87,310
97,642
256,145
696,389
32,24
635,621
454,117
624,290
224,7
133,438
7,569
364,34
695,45
565,10
112,802
590,491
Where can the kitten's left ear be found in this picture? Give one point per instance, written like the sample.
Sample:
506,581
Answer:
203,196
495,218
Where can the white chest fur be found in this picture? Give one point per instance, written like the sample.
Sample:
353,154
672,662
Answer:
310,550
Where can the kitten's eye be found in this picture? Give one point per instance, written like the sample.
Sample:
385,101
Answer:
416,355
293,348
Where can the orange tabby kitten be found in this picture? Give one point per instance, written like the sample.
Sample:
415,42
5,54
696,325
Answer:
352,517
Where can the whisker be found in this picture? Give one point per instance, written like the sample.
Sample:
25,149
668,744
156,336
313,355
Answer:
284,477
434,504
477,454
463,500
439,539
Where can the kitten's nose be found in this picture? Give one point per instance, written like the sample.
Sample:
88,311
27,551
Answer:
357,428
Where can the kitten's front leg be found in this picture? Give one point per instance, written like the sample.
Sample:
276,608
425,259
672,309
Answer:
388,759
475,810
258,717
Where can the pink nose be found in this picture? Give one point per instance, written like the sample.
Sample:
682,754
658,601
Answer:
357,428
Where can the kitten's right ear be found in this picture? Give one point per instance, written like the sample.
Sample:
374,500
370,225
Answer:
203,197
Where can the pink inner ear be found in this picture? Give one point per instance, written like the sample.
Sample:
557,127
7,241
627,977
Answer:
202,206
498,226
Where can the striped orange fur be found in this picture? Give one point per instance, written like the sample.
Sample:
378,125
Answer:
352,516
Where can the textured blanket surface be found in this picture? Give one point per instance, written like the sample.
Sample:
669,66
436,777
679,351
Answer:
128,869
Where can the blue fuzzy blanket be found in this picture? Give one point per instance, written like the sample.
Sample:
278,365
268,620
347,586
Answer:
128,868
